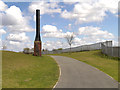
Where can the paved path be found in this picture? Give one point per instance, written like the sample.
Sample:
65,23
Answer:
76,74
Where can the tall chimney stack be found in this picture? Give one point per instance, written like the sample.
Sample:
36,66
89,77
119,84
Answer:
37,42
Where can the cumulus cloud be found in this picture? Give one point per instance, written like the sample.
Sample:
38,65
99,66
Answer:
91,31
80,1
15,21
53,32
17,46
78,42
14,43
45,7
18,41
19,28
111,5
50,45
85,12
2,31
90,35
18,37
69,26
16,24
16,13
49,29
3,6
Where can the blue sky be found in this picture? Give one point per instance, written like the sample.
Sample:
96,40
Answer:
91,21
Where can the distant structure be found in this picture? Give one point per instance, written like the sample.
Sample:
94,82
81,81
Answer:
37,42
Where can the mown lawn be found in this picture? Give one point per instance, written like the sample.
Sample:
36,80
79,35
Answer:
106,64
27,71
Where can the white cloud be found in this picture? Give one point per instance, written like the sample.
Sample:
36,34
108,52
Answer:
69,34
52,31
19,28
3,6
17,46
14,20
69,26
45,7
16,24
17,41
93,11
76,1
50,45
18,37
78,41
15,12
95,32
111,5
12,16
7,19
54,35
14,43
2,31
92,34
49,29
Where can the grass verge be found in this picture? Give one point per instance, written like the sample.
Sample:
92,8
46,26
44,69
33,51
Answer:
104,63
27,71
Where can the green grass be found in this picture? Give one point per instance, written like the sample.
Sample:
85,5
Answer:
104,63
27,71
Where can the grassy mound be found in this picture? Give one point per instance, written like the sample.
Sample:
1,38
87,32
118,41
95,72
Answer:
27,71
104,63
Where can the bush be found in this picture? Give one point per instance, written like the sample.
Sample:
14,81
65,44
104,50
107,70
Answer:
59,48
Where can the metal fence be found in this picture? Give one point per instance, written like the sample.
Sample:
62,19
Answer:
110,50
95,46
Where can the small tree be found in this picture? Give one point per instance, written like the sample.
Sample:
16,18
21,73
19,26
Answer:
69,38
54,49
59,48
32,49
26,50
46,49
43,49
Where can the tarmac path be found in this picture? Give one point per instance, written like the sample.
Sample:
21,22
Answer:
76,74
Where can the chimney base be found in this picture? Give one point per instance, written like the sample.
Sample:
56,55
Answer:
37,48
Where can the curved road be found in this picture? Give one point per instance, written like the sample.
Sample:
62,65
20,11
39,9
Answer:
76,74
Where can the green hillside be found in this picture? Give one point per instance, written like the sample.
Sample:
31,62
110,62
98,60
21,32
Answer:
27,71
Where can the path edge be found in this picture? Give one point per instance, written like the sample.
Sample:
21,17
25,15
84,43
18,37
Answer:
59,71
